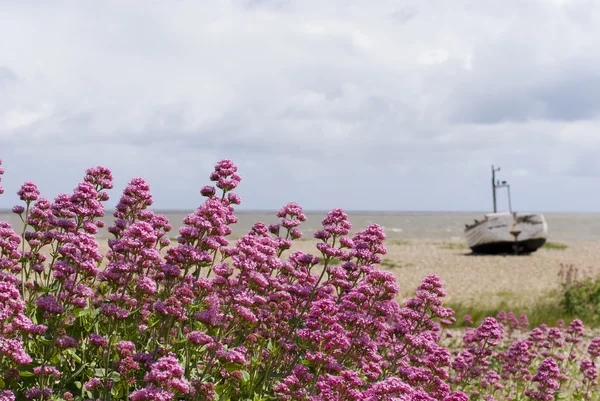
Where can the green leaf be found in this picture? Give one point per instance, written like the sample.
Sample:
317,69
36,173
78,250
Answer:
87,324
245,376
78,312
219,389
73,354
117,392
44,340
26,374
76,357
230,367
114,376
75,374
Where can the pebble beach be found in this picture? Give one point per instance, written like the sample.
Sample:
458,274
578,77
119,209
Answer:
472,278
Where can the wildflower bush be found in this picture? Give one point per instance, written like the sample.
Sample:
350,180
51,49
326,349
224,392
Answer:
206,319
580,294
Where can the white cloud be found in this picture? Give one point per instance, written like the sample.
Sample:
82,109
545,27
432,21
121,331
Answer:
433,56
385,105
15,119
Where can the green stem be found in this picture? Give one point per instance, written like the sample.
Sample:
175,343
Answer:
23,264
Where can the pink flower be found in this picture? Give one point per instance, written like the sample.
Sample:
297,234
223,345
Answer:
49,304
136,197
167,373
208,191
225,175
125,348
589,369
100,177
576,330
28,192
594,347
35,393
98,340
92,384
13,349
47,371
548,379
6,395
151,393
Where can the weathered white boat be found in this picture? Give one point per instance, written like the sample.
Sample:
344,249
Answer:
507,233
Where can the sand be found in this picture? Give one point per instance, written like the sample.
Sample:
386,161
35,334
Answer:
472,279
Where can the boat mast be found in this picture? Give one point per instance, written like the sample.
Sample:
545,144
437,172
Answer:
494,185
498,184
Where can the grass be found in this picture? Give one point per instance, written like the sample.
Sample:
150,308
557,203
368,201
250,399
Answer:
545,310
399,242
557,246
454,245
389,264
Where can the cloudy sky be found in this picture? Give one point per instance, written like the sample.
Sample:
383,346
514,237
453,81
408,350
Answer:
365,105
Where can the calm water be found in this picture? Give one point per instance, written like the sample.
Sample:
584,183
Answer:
399,225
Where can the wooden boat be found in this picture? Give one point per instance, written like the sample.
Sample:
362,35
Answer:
507,232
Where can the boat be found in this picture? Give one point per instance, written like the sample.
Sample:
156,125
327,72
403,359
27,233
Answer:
506,232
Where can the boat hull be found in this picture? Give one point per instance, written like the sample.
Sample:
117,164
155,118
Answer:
501,233
505,247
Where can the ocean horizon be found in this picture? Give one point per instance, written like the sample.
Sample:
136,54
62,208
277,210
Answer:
398,225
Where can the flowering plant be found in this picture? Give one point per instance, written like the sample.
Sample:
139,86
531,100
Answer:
206,319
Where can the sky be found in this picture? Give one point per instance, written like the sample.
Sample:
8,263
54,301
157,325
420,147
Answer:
364,105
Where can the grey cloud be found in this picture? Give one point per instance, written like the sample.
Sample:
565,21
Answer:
77,122
574,95
494,108
539,65
7,77
333,103
258,4
586,164
571,94
405,14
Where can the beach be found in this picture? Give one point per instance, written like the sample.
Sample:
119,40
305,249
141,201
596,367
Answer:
471,279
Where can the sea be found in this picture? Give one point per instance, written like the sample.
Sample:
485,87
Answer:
397,225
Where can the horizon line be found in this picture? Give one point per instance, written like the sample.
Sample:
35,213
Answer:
366,211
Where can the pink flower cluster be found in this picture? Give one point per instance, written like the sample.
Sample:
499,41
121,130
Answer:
207,317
